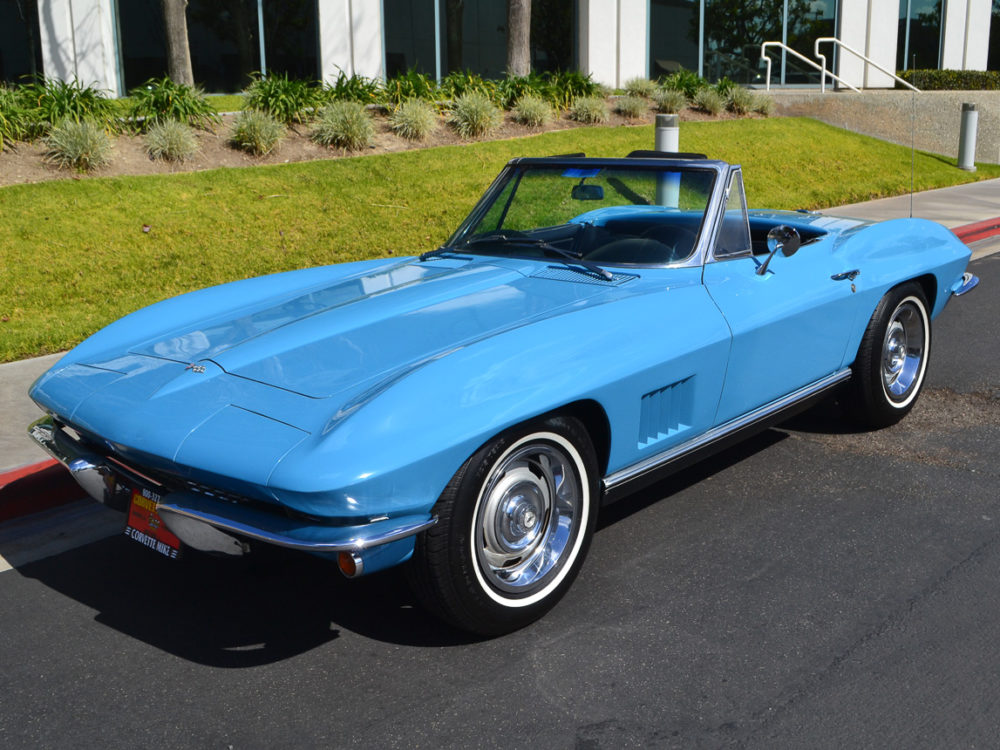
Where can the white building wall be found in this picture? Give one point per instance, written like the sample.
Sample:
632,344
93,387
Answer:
350,33
78,42
871,27
614,40
965,38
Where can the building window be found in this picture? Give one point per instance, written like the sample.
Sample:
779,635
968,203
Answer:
919,44
20,52
993,61
224,41
409,37
673,36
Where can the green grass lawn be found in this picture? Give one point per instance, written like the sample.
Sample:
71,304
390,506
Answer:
74,254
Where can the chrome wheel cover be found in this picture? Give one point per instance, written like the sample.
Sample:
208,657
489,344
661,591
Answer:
527,526
903,351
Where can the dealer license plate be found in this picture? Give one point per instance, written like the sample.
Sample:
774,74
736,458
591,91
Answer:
147,528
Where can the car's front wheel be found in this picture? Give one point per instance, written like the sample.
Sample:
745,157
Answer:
514,525
892,359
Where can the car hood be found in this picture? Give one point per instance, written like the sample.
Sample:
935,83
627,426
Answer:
356,332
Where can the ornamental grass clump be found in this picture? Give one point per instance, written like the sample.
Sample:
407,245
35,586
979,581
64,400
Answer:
414,119
763,104
640,87
82,145
256,132
671,101
473,115
171,140
532,111
632,107
344,125
740,101
589,109
709,100
160,100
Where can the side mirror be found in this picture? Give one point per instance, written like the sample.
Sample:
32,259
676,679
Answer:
588,193
784,238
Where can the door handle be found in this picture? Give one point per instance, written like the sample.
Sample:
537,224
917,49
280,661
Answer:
846,275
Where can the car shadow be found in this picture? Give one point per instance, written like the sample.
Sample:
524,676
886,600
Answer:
275,604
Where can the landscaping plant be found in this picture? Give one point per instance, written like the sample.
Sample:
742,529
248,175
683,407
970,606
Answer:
709,100
632,107
353,88
343,125
256,132
640,87
414,119
171,140
50,101
288,100
473,115
532,110
80,144
409,85
159,100
670,100
589,109
740,101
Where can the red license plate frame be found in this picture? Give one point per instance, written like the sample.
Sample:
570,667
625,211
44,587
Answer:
145,526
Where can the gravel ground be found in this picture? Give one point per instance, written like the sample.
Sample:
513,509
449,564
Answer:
931,120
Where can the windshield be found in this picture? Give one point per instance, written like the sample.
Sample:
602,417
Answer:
606,215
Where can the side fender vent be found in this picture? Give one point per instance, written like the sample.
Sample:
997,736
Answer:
665,412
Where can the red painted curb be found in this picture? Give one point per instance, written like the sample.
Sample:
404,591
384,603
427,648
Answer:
34,488
978,230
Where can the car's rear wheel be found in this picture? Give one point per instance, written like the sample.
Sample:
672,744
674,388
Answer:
892,359
514,525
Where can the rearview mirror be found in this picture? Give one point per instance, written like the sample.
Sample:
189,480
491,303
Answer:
588,193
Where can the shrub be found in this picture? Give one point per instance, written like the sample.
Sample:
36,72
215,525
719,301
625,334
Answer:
82,145
565,87
640,87
685,80
353,88
344,125
287,99
414,119
256,132
532,110
708,100
512,89
725,87
473,115
670,100
951,80
589,109
763,104
631,107
457,84
171,140
14,120
409,85
740,101
51,101
161,100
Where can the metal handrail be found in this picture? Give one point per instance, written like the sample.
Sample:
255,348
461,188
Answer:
803,58
834,40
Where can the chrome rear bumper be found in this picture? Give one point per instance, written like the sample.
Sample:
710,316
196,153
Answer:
209,524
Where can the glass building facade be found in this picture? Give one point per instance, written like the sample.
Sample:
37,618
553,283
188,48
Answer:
918,46
438,37
722,38
20,50
224,36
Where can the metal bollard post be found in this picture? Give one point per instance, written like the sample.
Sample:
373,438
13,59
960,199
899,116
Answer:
668,133
668,138
967,138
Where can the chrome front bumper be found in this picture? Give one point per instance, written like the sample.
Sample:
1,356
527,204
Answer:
966,284
209,524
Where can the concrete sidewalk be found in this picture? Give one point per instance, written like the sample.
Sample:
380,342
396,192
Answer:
955,207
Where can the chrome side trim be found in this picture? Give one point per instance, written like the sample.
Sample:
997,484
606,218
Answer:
968,283
716,434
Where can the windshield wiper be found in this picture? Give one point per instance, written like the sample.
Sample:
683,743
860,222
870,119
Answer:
443,250
568,256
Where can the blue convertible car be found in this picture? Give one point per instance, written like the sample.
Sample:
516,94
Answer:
593,325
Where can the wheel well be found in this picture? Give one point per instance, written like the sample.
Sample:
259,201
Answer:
929,284
595,420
